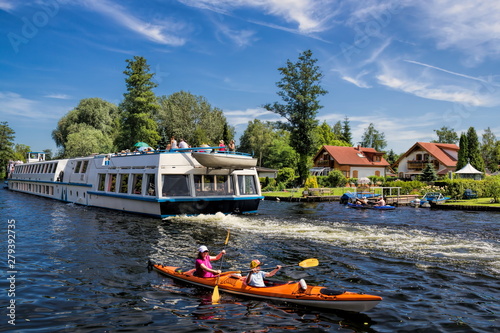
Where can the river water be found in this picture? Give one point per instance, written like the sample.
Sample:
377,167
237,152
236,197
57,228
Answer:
81,269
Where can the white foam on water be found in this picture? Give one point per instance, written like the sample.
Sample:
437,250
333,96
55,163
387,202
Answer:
393,241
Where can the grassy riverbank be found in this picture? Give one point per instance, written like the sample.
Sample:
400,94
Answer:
485,202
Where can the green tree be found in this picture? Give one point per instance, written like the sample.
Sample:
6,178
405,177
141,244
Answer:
492,187
489,150
87,140
191,117
325,135
337,129
139,106
257,140
299,90
373,138
21,152
281,154
446,135
463,153
391,157
474,152
428,173
7,136
93,113
346,131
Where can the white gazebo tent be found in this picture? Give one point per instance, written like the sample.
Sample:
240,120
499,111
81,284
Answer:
469,171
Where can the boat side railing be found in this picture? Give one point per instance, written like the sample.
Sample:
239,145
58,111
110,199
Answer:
216,150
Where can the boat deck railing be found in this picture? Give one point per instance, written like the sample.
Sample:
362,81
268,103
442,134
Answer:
216,150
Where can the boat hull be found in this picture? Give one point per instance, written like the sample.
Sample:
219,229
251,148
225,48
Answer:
351,205
313,296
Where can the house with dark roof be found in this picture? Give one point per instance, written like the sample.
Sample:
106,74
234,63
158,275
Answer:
443,156
353,162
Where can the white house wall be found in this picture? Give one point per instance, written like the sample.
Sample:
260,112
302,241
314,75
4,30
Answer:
367,171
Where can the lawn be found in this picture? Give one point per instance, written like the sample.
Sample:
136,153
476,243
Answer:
473,202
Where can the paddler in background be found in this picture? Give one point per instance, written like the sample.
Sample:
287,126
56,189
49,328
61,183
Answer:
202,264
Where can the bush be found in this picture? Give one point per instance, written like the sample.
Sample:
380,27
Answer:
411,187
336,178
286,176
311,182
492,187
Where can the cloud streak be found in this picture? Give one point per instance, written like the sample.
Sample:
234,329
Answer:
154,32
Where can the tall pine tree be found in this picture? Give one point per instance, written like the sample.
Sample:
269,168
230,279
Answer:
463,155
473,150
139,106
346,131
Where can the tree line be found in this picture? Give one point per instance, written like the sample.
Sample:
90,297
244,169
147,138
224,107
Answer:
98,126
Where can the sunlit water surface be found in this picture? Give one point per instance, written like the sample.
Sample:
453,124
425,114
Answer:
84,269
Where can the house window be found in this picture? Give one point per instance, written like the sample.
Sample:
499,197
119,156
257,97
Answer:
377,173
355,174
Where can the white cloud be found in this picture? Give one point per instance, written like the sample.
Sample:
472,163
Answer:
6,5
428,85
309,15
16,107
152,31
468,25
58,96
242,117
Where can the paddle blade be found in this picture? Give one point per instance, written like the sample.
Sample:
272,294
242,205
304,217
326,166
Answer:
227,237
215,295
309,262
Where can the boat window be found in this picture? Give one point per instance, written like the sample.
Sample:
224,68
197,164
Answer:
175,185
151,184
78,165
204,185
246,184
124,183
112,183
84,166
102,180
223,185
137,184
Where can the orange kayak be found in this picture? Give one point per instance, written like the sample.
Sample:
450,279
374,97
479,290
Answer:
314,296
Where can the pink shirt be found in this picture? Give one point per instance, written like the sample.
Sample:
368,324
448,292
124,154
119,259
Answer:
200,271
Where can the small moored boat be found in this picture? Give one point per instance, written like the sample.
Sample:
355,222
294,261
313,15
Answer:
428,198
386,207
225,159
314,296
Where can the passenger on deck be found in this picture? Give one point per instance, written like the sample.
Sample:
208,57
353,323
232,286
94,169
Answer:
202,264
222,145
231,146
256,277
173,143
380,202
183,144
363,201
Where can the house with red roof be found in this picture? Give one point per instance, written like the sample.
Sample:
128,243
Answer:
353,162
443,156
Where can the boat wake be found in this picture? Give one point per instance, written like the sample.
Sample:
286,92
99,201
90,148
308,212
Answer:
394,241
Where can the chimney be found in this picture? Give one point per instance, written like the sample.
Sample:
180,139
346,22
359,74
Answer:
359,147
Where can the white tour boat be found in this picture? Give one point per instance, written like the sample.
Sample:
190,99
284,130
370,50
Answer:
159,183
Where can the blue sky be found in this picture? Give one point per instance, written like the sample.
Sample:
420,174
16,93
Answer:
409,67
